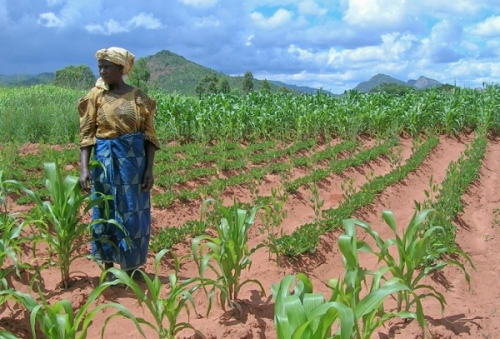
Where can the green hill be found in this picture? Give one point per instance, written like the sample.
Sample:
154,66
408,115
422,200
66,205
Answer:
174,73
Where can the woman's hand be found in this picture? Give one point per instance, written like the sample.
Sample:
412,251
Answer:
148,180
85,180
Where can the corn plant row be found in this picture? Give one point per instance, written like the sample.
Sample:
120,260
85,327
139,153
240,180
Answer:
218,185
352,312
169,236
448,199
257,116
305,238
338,166
173,166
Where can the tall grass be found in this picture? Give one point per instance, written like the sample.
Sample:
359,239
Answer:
40,113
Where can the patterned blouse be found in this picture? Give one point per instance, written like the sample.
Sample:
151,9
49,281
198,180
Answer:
107,115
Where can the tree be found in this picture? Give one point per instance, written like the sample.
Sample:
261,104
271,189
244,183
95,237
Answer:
76,77
223,86
265,86
393,89
284,90
208,84
247,82
140,74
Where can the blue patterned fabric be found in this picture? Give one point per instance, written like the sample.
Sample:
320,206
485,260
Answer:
125,161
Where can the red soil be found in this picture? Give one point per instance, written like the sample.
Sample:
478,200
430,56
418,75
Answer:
471,312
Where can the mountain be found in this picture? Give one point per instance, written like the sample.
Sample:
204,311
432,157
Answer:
423,83
302,89
26,79
376,80
174,73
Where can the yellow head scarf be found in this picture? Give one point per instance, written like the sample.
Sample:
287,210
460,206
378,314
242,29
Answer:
116,55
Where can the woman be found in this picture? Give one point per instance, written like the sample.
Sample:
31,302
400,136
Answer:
116,121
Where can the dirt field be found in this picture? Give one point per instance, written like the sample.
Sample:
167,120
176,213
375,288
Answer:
471,312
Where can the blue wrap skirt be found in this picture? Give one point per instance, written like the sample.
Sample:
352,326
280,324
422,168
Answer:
124,159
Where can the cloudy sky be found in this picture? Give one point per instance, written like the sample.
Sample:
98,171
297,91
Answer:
329,44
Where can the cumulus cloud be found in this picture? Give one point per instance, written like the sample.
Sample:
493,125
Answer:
49,19
309,7
488,28
375,12
70,14
144,20
280,18
443,42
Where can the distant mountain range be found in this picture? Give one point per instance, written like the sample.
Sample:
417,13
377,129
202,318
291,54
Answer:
173,73
379,79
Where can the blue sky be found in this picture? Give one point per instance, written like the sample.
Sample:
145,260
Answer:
326,44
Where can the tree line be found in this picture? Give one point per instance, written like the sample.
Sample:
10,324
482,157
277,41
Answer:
81,78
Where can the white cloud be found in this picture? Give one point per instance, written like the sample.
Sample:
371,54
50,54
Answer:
446,32
393,49
49,19
199,3
476,71
488,28
443,43
249,40
446,8
309,7
71,13
108,28
365,13
279,18
145,20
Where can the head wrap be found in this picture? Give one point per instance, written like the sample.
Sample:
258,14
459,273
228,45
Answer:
116,55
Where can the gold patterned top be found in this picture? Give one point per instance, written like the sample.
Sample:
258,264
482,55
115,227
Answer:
107,115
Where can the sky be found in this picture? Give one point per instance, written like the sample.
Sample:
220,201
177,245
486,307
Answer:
328,44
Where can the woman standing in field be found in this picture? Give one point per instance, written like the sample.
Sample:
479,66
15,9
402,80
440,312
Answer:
116,121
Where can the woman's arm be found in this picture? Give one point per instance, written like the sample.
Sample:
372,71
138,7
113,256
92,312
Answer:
148,180
85,180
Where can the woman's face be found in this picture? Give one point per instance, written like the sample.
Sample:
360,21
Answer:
109,72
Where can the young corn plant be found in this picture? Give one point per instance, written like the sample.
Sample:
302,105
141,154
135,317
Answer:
60,218
168,309
11,241
272,220
369,313
60,320
304,314
11,238
229,250
412,263
316,202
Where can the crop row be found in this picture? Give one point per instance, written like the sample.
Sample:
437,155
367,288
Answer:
48,114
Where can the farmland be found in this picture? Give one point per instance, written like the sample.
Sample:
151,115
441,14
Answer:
314,161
